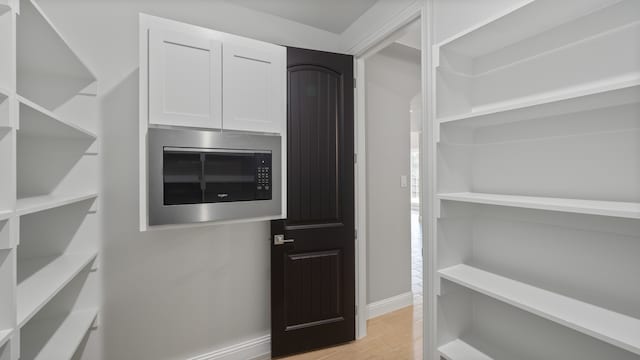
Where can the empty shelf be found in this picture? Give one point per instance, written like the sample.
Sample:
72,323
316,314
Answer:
4,94
459,350
611,327
42,49
40,203
5,335
5,214
35,120
592,207
47,277
595,96
68,332
517,23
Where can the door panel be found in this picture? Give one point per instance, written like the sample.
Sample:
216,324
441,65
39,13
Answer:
185,80
313,277
315,280
253,88
315,94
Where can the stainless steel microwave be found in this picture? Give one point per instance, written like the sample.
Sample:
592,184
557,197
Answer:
199,176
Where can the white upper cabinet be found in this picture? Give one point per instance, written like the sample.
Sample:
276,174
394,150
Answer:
185,80
202,78
254,88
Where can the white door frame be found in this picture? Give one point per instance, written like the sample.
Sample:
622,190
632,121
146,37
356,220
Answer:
421,9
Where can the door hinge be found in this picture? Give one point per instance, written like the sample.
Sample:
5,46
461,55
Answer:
355,158
355,234
356,309
354,82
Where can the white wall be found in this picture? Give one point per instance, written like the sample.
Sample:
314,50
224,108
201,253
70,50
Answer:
102,31
392,80
178,293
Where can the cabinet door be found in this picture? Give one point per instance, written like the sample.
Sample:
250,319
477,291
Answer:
254,88
185,80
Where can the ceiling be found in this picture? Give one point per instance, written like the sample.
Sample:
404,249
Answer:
331,15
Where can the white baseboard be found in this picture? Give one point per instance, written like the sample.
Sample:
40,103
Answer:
254,349
391,304
260,348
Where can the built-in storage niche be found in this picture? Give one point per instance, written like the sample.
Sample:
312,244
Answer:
539,52
538,184
49,72
589,154
570,269
56,246
49,221
199,78
54,155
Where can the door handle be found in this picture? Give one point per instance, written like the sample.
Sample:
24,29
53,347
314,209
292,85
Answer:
280,240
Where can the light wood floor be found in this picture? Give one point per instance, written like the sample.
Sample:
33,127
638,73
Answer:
397,336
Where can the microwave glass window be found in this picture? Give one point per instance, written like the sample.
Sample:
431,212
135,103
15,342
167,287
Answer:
182,178
194,176
229,177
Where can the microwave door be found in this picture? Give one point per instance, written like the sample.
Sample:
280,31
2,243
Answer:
182,177
229,176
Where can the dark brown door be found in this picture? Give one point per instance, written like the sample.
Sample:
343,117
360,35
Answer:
313,276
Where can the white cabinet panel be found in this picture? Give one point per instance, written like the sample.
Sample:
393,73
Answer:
184,80
254,93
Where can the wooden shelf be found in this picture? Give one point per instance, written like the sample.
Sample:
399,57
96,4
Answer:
611,327
5,214
5,335
49,72
520,22
594,96
68,333
48,276
40,203
42,49
35,120
592,207
4,94
459,350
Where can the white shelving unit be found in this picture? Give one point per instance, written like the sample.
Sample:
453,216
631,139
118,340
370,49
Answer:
578,206
459,350
48,276
618,92
61,342
49,221
38,121
4,337
5,214
537,125
40,203
614,328
8,327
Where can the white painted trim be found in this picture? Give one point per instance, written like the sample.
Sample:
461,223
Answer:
391,304
406,16
361,51
254,349
361,201
430,205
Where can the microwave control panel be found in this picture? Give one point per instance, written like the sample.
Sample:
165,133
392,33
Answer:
263,177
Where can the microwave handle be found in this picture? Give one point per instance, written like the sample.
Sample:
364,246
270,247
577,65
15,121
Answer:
208,150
